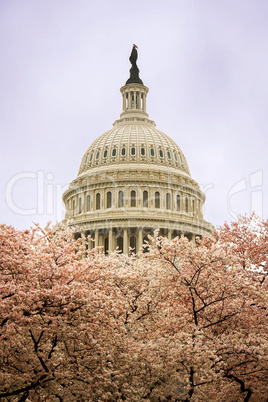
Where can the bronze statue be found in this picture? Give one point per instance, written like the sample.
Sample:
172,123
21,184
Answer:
134,71
134,55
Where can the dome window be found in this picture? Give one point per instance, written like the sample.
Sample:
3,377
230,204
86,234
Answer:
178,202
120,199
123,151
91,156
168,201
161,153
145,199
133,151
186,204
98,154
80,205
152,152
86,159
105,153
114,152
73,208
98,201
168,155
142,151
133,198
109,199
157,199
88,203
175,156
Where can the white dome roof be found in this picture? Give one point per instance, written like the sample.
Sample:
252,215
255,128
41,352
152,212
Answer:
134,142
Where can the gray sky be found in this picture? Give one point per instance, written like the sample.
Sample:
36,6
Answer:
63,62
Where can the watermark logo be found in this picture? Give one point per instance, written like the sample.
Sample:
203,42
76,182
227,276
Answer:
48,194
253,185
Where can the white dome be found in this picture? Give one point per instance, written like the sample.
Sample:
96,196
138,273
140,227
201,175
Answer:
133,179
134,142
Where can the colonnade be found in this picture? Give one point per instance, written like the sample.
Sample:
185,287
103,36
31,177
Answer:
124,238
134,98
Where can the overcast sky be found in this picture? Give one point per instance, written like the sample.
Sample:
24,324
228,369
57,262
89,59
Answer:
64,61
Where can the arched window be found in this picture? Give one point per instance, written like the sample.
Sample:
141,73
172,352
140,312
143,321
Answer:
105,153
80,205
186,204
152,152
168,155
132,244
114,152
157,199
145,199
161,153
98,154
133,151
88,202
109,199
119,244
178,202
168,201
175,156
120,199
98,201
123,151
193,206
142,151
133,198
145,244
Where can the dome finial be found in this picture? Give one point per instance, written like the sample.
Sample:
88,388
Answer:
134,71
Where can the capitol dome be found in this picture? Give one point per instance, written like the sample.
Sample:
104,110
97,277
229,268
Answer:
134,142
134,179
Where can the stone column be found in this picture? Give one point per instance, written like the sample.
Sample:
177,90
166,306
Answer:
169,234
111,248
125,242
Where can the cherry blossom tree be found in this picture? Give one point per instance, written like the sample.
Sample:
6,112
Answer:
184,322
219,322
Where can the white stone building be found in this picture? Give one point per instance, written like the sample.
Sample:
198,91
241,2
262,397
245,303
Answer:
134,179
